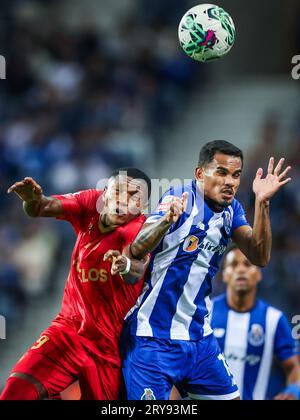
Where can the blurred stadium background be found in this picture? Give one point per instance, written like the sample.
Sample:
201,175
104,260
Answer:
93,85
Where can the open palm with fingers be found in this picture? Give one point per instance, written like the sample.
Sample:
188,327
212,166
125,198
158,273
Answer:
177,206
27,189
266,188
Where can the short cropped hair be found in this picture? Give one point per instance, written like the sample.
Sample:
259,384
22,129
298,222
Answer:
135,174
210,149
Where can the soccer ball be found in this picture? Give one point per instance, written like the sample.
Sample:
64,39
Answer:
206,32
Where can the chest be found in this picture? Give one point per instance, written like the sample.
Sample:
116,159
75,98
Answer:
207,232
92,244
241,338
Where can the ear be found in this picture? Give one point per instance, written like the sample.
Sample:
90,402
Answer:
104,193
259,275
199,173
144,207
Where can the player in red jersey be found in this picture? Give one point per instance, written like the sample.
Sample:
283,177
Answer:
82,342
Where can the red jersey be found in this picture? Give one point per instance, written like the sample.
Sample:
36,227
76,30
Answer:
95,302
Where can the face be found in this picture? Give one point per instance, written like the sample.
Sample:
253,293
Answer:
124,199
239,274
220,179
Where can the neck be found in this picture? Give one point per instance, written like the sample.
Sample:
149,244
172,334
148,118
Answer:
241,302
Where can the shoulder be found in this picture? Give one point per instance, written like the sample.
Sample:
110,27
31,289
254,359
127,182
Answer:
138,221
83,196
90,199
92,194
90,203
263,305
168,196
181,188
219,312
177,191
273,315
80,201
236,205
134,225
271,310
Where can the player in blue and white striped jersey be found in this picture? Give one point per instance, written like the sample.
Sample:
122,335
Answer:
171,339
250,332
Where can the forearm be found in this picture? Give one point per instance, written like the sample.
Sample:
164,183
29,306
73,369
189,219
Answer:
135,274
35,204
33,208
149,237
261,240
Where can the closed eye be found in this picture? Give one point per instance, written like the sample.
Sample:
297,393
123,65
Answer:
221,172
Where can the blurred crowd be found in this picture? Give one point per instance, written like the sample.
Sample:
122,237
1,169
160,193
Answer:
281,278
75,105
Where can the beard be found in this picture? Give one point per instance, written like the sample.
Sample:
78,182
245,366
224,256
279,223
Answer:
217,206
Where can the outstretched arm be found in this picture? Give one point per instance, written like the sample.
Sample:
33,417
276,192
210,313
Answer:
152,233
35,204
291,367
256,243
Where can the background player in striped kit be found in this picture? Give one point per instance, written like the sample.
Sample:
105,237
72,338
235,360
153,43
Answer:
250,332
170,340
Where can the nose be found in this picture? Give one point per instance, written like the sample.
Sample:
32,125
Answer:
229,181
122,195
122,200
241,269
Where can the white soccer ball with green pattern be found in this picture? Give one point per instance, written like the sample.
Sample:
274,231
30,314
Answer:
206,32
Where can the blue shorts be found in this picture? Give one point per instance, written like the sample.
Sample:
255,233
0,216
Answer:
152,366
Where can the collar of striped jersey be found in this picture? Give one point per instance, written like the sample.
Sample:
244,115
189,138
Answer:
105,229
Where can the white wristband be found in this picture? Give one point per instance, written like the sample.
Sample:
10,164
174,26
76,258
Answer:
128,266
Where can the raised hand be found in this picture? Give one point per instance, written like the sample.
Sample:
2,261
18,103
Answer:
177,207
28,190
266,188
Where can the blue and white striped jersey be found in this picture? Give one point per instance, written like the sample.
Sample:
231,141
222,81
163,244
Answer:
175,303
249,341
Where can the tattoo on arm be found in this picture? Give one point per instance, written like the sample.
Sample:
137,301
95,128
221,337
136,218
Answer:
148,238
137,270
45,207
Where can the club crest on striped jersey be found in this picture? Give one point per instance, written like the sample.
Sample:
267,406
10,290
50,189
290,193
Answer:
227,216
256,336
219,332
70,196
